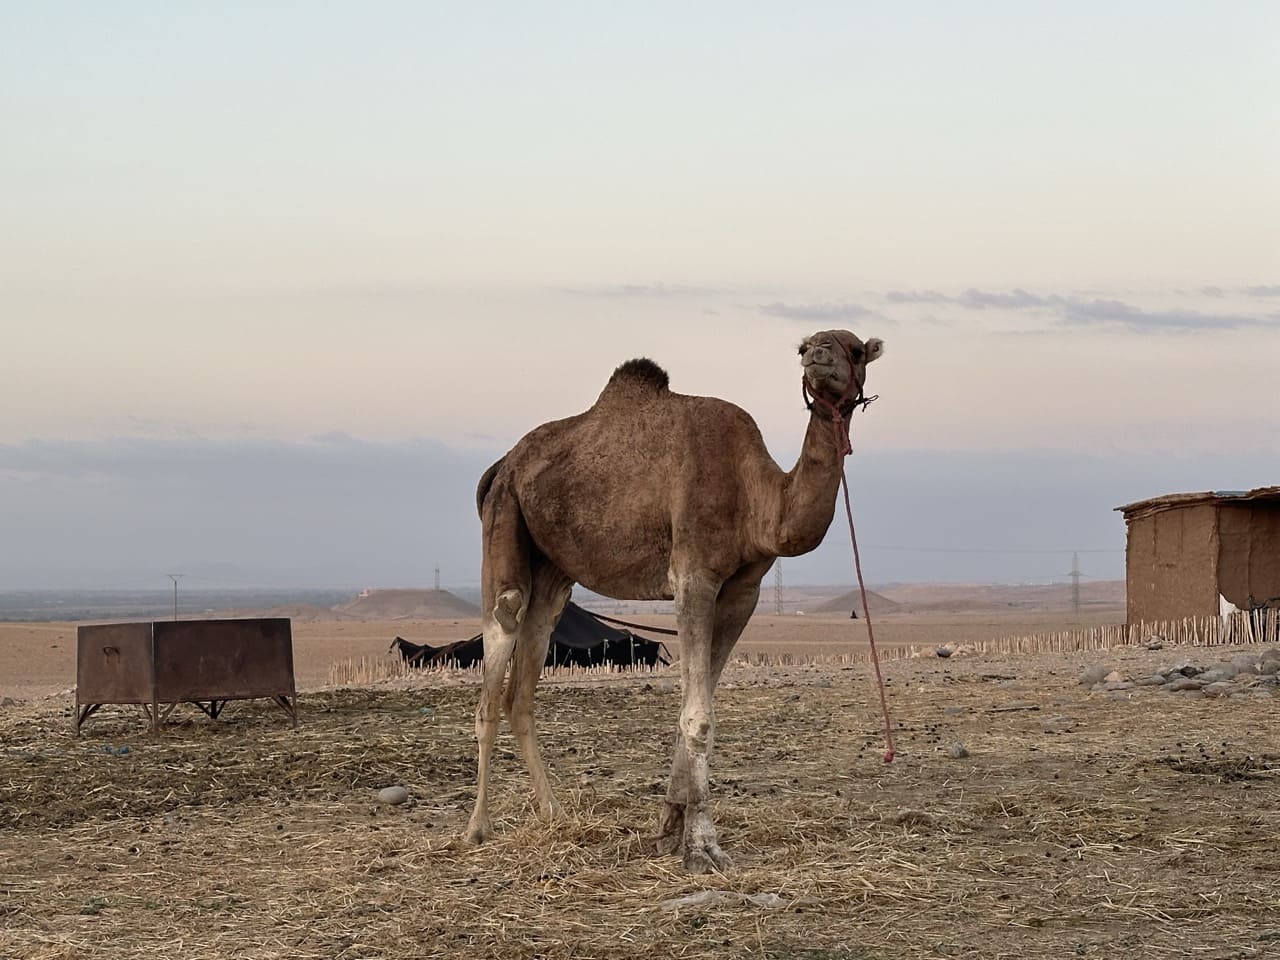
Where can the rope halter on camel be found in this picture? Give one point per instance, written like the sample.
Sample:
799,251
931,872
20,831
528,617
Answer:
852,398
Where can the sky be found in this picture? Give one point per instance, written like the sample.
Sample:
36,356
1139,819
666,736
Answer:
278,281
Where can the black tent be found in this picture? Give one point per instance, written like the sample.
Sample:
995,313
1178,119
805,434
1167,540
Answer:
580,638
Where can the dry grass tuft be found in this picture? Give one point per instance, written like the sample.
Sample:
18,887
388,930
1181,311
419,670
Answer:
373,671
1138,827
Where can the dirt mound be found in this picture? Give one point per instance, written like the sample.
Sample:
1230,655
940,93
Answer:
297,612
407,604
853,601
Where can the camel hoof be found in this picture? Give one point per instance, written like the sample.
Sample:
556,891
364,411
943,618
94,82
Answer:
671,829
550,811
477,833
707,858
508,610
669,843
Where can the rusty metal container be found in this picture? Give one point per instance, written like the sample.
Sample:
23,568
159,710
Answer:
160,664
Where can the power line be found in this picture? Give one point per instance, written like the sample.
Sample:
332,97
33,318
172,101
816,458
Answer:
998,550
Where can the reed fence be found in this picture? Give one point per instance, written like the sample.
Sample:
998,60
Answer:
1257,626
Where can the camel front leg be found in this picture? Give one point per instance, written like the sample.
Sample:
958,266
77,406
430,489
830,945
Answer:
734,607
671,821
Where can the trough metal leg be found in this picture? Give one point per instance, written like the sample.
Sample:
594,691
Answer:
83,713
289,704
212,708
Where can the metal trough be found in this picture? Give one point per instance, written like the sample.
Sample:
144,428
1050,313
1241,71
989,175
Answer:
206,662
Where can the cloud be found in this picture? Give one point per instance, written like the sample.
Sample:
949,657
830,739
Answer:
1102,313
334,438
1213,292
641,290
1116,313
1017,299
917,296
974,299
1265,290
817,312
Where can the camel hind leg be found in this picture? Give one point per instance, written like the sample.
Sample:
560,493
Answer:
506,580
550,593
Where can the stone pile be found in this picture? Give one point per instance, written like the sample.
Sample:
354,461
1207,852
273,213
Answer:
1244,674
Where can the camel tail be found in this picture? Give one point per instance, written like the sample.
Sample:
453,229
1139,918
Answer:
486,481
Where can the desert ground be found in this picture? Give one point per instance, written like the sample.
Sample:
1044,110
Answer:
1025,815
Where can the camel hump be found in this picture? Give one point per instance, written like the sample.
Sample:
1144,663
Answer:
641,371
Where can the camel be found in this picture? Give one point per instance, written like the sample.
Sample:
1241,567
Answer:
652,495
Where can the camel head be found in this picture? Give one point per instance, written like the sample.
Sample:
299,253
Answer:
835,365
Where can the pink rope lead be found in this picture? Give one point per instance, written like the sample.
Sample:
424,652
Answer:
844,447
866,611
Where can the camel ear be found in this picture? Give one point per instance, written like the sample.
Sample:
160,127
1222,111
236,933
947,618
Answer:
874,348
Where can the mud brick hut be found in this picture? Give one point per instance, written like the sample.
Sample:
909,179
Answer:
1187,552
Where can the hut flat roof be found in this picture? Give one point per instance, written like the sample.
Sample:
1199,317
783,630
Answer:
1170,501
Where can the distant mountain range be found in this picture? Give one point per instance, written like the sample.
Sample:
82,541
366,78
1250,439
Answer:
428,604
79,605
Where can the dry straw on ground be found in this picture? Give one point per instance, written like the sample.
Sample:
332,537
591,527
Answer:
1078,824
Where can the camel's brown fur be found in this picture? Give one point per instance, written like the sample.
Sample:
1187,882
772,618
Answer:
650,495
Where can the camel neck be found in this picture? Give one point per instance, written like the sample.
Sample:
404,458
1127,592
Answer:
808,492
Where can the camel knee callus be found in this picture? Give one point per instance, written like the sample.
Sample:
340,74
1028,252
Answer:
652,494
